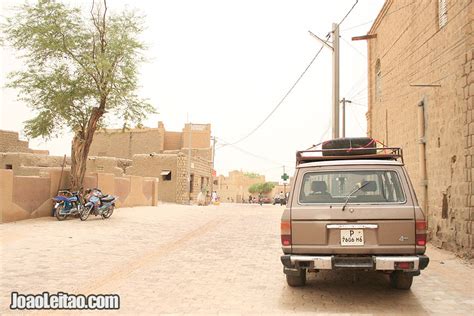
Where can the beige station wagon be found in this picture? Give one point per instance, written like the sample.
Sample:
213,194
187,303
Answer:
352,206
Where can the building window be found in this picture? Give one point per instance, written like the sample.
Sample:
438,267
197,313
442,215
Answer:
378,79
9,167
202,183
166,175
191,183
442,13
216,182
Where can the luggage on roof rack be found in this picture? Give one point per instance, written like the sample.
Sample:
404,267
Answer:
365,146
349,149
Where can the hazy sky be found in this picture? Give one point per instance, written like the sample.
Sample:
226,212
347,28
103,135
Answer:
229,63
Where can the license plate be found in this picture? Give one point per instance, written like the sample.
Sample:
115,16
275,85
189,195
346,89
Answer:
352,237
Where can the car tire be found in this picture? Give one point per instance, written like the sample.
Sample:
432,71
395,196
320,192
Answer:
400,280
297,280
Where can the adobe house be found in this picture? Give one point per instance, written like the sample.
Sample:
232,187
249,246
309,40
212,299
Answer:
421,97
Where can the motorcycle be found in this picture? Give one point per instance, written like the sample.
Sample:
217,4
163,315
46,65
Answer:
67,203
98,204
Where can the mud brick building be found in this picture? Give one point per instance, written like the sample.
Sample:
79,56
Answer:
126,143
421,97
144,152
235,186
10,142
171,167
156,152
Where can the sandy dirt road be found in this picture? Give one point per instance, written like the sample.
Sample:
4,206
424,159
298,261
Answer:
216,259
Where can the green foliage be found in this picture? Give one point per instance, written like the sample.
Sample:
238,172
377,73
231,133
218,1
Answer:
253,188
74,64
251,175
261,188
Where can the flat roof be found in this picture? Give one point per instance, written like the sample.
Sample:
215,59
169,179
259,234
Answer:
350,163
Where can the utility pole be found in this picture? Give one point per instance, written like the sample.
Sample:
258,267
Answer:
335,76
344,101
213,150
214,140
189,162
335,81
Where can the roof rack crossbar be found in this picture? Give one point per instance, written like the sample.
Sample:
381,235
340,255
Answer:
387,153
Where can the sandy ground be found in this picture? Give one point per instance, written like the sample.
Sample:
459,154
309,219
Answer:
215,259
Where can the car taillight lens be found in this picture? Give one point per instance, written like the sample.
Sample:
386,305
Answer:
420,234
285,233
403,265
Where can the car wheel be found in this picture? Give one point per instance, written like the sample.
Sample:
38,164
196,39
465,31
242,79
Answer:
297,280
400,280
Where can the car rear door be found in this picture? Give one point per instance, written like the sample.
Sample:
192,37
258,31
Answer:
368,227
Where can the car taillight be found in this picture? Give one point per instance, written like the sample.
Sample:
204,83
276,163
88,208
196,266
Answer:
285,233
403,265
420,234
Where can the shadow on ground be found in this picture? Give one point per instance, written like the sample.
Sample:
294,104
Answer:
348,292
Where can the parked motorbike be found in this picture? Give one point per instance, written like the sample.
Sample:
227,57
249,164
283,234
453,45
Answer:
98,204
67,203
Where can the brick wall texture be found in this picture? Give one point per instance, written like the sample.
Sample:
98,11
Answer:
126,143
10,142
412,49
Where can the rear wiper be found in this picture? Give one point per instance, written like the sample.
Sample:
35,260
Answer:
353,192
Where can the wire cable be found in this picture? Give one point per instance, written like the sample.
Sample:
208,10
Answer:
250,153
355,49
388,14
294,85
347,14
279,103
291,88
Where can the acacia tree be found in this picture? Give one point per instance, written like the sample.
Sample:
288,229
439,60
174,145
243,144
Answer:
80,71
262,188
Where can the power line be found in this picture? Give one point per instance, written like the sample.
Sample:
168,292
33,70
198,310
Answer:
342,20
359,92
388,14
353,47
356,84
281,101
250,153
293,86
358,25
347,14
359,104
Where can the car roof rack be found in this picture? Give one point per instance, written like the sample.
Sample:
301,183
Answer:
349,149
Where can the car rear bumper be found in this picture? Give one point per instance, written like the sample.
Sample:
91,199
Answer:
413,263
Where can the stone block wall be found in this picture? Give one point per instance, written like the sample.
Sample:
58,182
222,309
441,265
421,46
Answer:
421,61
10,142
201,173
124,144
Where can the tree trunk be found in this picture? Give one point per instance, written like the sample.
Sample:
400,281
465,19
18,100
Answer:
81,144
78,161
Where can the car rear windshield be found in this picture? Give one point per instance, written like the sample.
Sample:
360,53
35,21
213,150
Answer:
366,186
